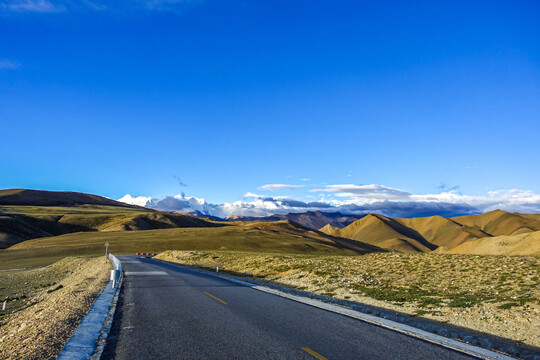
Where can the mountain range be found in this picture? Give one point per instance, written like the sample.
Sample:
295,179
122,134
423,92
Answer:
309,219
447,235
29,214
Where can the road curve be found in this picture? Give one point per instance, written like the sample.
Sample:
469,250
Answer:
171,312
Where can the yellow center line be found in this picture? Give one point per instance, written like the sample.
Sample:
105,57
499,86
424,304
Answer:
314,353
218,299
182,280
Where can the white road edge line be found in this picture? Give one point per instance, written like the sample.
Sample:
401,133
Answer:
389,324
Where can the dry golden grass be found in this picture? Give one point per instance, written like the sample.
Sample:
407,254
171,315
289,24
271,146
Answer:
494,294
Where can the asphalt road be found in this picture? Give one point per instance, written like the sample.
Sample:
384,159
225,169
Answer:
171,312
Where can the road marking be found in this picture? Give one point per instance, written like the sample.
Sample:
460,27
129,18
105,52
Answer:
182,280
218,299
131,273
314,353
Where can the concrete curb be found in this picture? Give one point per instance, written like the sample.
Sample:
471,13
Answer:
421,328
88,340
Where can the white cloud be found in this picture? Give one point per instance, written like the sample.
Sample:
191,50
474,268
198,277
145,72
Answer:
8,64
279,187
40,6
371,192
305,179
165,4
53,6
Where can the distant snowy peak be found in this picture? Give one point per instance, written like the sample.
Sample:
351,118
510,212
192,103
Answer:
191,199
136,200
179,203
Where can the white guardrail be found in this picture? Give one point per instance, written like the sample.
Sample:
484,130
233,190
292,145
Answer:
117,272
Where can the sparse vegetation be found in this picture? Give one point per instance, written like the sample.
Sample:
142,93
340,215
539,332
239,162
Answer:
45,305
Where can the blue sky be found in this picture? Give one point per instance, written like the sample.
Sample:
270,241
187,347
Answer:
425,97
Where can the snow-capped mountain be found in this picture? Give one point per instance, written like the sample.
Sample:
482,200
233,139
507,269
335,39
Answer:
350,199
135,200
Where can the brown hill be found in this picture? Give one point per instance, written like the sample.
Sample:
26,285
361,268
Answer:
520,244
428,233
387,233
499,222
54,198
293,228
442,231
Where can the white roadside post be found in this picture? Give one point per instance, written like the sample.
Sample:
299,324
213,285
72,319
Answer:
106,250
4,305
115,274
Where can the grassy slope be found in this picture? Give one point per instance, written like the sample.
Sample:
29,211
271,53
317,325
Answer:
282,237
19,223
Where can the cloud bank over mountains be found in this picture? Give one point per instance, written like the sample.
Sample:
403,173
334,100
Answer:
351,199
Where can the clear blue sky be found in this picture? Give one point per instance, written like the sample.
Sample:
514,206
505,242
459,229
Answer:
232,95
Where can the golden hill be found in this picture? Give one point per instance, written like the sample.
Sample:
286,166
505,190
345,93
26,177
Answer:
428,233
329,229
520,244
387,233
441,231
499,222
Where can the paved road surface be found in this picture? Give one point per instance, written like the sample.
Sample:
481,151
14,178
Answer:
171,312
